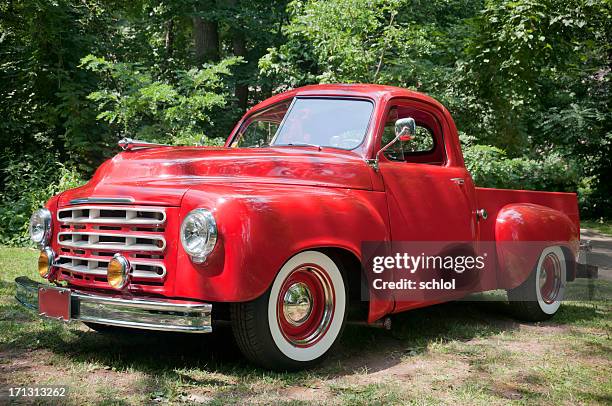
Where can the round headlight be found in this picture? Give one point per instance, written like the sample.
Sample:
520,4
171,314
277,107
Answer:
118,272
40,226
45,262
199,234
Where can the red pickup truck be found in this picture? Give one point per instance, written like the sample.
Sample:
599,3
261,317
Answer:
267,232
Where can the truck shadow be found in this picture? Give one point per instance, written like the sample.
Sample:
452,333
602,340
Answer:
361,348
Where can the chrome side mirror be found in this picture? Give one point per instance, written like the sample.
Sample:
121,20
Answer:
405,129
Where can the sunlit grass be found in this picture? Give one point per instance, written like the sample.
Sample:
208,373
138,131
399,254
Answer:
603,226
462,352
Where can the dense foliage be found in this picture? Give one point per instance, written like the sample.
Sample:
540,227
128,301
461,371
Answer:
527,81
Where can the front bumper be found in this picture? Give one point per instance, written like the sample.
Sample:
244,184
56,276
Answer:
142,313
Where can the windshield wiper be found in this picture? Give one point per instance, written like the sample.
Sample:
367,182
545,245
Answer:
299,144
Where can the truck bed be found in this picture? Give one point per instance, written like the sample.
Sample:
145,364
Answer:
493,200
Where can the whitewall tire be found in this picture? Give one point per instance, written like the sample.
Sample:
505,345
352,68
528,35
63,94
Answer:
541,295
299,319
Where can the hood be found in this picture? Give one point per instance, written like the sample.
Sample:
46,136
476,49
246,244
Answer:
161,176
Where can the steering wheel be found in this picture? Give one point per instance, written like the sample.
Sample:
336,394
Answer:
347,140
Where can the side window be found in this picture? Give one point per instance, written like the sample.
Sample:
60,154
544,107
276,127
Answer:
258,131
422,148
423,141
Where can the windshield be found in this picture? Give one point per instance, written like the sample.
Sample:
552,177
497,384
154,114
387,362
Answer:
325,122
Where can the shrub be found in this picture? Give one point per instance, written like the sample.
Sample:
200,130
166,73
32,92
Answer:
135,102
491,167
30,180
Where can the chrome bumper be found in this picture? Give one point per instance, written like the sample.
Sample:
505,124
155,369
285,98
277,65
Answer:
141,313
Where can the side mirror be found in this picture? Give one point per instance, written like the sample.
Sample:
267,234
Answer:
405,129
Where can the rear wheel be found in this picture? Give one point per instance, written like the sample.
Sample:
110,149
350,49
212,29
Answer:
540,296
296,322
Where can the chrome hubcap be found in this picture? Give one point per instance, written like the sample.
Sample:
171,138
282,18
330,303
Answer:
305,305
297,304
550,279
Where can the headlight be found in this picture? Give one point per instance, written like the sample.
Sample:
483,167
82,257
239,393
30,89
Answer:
45,262
40,227
118,272
199,234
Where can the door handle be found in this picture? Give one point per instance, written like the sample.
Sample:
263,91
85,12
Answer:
459,181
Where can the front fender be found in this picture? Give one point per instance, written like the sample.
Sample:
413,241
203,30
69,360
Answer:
261,226
522,231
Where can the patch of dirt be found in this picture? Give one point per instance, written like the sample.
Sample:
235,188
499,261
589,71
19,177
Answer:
507,391
438,371
196,398
38,367
530,339
304,394
420,372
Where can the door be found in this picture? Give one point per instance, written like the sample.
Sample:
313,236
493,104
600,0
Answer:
428,200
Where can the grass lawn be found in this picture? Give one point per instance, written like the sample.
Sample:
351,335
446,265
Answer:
457,353
602,226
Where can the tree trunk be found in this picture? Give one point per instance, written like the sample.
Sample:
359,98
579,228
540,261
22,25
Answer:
242,90
206,40
169,42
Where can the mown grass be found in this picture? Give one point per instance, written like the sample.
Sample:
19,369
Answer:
462,352
601,225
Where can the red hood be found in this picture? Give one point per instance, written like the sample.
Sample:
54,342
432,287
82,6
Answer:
161,176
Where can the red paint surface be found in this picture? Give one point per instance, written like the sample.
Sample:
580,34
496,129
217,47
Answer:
271,203
54,303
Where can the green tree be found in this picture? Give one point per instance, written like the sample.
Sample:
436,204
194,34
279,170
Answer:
136,104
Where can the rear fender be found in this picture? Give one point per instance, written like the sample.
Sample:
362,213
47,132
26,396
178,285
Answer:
522,231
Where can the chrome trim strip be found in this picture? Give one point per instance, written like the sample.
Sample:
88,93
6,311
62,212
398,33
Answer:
142,313
101,271
112,220
26,292
92,243
128,144
109,200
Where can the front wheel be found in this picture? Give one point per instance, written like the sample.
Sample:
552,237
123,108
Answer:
298,320
540,296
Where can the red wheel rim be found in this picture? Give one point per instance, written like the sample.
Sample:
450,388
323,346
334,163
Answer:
550,278
305,305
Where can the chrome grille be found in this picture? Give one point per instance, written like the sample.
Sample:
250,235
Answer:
111,241
90,235
97,267
111,215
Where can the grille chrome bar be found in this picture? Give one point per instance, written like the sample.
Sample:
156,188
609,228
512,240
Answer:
97,267
112,241
111,215
109,200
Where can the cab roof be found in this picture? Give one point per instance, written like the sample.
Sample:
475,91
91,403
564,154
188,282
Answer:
370,91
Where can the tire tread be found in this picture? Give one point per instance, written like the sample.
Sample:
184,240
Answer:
244,328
